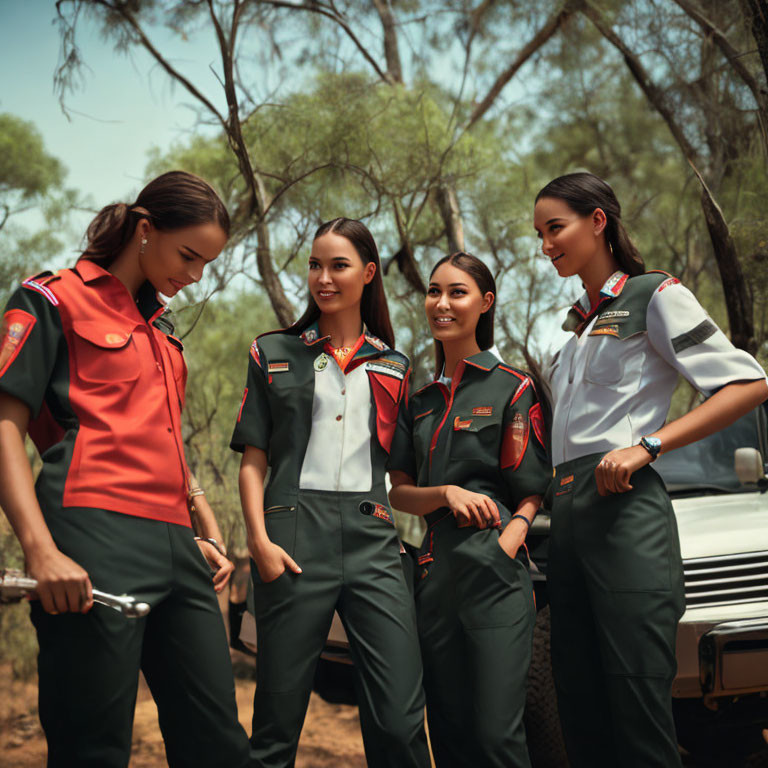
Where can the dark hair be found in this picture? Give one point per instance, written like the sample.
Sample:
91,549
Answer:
475,268
373,305
583,192
174,200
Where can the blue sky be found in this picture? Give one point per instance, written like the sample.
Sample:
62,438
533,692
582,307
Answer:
125,106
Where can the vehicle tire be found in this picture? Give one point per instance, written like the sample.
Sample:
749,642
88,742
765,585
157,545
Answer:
542,723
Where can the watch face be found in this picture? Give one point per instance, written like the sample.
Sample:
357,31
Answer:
652,445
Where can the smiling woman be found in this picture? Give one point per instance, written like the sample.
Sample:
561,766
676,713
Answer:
89,366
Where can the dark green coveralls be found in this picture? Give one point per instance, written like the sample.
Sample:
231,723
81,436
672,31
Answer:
76,348
340,530
474,603
615,576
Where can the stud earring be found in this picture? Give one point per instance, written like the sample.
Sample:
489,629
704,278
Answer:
143,245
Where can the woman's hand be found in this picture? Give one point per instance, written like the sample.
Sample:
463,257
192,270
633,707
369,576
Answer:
221,565
513,536
62,585
471,508
272,561
617,467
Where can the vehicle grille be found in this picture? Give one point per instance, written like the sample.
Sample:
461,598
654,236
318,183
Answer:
729,579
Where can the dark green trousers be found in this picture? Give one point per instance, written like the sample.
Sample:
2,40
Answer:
615,581
351,562
475,615
89,663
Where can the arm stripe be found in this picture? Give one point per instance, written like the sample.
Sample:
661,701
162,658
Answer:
32,285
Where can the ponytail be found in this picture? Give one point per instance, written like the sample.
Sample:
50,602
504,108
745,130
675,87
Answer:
171,201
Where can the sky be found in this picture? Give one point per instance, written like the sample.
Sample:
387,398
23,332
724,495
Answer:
124,107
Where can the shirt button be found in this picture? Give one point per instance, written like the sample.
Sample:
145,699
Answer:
169,429
338,418
343,391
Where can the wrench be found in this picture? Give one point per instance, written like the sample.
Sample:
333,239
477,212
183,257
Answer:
14,585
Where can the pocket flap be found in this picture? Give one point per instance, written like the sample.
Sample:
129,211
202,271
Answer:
100,334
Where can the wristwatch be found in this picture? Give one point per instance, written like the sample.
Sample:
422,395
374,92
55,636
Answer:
652,445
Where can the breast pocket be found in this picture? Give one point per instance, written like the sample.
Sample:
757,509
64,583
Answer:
605,360
104,354
475,438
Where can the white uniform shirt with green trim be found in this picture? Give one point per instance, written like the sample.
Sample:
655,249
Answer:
609,389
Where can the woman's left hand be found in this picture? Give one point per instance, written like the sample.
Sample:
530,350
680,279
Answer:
513,536
617,467
220,564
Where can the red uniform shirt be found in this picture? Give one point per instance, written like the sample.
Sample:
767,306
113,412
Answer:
104,379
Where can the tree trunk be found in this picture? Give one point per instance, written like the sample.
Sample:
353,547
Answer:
391,49
756,12
448,205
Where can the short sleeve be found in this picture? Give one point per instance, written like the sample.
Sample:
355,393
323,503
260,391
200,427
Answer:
401,453
523,460
254,419
30,342
681,331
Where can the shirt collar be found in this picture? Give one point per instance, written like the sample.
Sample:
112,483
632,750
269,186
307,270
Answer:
148,301
582,309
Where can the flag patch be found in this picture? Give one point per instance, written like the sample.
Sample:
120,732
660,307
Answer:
278,367
482,410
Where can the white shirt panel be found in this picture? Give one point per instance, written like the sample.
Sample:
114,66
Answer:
608,392
338,456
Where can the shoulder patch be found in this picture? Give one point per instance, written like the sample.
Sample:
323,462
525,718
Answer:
17,325
34,285
667,283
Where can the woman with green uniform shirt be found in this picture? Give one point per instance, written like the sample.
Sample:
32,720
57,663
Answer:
615,574
90,368
319,411
468,454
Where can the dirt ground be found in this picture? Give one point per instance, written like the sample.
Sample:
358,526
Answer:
331,736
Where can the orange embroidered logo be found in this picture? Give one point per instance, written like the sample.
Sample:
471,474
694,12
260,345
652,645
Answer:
459,424
566,480
17,325
483,410
608,330
115,338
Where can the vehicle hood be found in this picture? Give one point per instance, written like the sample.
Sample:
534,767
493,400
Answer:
722,525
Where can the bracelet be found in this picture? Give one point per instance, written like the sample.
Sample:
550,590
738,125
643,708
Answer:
522,517
215,544
195,492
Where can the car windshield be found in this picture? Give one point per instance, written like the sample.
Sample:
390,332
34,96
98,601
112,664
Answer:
708,463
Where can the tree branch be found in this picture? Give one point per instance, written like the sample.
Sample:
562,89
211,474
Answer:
553,23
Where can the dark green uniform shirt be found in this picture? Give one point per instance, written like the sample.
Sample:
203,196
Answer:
484,434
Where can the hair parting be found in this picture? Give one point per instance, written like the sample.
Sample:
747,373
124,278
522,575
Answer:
373,305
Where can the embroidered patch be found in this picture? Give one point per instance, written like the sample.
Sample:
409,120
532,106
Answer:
17,325
309,335
667,283
321,362
115,339
380,367
254,352
607,330
482,410
382,513
459,424
613,313
278,367
567,480
697,335
375,342
615,283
